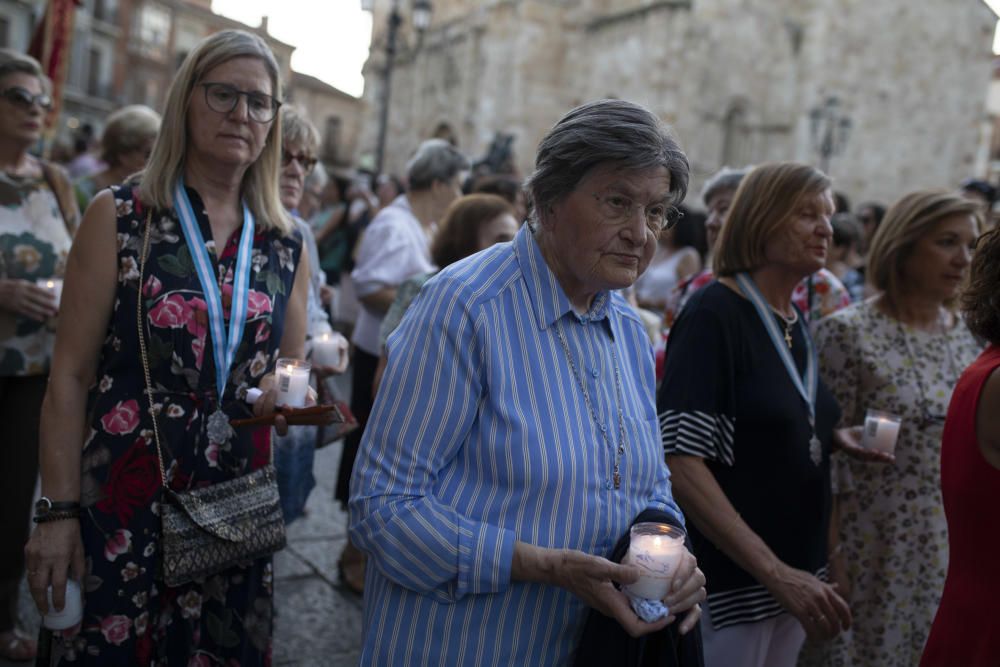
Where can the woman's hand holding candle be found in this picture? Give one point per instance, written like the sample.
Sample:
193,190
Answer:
686,593
329,354
848,440
265,403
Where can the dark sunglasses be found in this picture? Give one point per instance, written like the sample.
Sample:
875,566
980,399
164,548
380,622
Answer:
306,162
22,99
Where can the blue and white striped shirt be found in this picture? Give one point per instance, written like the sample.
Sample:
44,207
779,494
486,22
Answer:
480,436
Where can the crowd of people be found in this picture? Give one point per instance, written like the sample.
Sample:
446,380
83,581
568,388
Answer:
537,366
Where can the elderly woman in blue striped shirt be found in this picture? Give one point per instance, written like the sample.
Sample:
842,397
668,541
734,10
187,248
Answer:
514,439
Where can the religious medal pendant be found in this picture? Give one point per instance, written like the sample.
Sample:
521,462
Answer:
815,450
219,430
788,337
617,479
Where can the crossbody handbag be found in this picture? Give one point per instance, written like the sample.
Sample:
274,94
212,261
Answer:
214,528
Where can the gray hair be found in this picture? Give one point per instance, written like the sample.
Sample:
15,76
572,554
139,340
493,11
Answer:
12,62
606,131
316,179
435,160
127,130
297,129
726,179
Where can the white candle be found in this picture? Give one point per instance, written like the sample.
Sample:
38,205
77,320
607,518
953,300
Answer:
54,285
656,549
292,380
881,431
72,612
326,350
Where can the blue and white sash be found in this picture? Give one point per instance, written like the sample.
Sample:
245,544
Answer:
223,346
808,386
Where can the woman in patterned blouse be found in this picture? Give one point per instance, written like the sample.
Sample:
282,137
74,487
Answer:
37,220
899,352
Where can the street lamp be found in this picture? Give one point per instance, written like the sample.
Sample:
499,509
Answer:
421,18
830,128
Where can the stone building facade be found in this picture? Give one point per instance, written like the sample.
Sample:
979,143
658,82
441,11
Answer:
736,79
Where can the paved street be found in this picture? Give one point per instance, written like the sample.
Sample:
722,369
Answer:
318,622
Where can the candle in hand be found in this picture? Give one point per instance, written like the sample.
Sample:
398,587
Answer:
327,349
656,549
881,431
292,381
54,285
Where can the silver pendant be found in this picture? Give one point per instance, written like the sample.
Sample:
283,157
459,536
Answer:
815,450
219,430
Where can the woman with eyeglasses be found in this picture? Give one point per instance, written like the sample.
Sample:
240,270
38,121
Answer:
190,281
126,144
38,217
900,352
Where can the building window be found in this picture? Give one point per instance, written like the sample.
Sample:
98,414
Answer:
331,139
736,137
153,31
94,73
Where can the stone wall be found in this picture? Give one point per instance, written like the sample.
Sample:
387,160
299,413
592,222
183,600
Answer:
736,79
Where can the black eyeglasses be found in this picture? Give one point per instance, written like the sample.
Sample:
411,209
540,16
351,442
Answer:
23,99
307,163
223,98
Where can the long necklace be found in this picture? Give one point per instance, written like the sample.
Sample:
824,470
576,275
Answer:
616,472
924,402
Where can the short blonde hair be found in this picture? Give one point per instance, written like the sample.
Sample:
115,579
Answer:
907,221
297,129
127,130
764,203
13,62
166,164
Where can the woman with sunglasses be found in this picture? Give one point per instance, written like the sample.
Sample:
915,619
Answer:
37,219
900,352
200,257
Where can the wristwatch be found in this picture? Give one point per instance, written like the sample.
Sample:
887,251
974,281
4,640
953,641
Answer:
48,510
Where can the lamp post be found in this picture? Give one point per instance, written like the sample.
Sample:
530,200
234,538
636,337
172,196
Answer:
830,128
421,17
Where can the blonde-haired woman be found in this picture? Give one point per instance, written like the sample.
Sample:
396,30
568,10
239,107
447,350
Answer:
747,426
900,352
126,144
223,292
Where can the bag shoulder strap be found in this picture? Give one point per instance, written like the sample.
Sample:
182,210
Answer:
61,188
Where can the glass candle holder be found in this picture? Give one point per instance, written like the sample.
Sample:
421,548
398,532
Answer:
326,350
292,381
881,431
656,549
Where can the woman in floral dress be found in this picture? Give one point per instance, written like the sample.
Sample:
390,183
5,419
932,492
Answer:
37,219
900,352
218,152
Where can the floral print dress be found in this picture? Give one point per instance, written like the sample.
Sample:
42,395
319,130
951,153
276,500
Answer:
892,523
130,616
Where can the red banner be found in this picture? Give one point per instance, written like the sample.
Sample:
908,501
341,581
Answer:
51,46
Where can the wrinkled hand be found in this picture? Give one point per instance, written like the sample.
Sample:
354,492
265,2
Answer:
822,612
686,592
848,440
590,579
27,299
266,404
54,552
